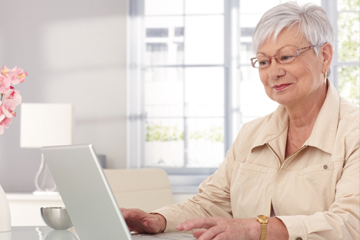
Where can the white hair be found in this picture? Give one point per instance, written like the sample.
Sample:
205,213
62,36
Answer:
311,20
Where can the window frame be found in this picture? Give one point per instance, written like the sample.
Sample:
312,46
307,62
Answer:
187,180
136,113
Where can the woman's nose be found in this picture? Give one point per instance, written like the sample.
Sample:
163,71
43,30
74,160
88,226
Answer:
276,70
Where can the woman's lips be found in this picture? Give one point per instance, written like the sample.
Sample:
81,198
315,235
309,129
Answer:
281,86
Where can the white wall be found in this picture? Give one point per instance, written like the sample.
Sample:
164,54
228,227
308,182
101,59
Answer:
74,52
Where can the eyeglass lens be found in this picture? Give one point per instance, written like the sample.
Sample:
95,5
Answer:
282,57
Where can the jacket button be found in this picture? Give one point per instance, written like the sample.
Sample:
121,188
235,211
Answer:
325,167
298,238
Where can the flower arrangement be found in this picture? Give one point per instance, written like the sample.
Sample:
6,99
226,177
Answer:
9,97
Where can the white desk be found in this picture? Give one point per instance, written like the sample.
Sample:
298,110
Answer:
25,208
37,233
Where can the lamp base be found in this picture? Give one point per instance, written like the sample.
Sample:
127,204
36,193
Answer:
44,173
47,193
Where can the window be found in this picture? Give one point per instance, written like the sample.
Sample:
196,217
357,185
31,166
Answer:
178,87
191,84
348,44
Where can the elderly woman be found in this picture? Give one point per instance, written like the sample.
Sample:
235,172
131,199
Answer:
293,174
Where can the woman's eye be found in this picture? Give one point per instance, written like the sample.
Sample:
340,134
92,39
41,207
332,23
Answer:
286,57
264,62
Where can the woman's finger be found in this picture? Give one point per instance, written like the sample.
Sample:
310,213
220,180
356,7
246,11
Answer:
198,233
211,233
197,223
132,213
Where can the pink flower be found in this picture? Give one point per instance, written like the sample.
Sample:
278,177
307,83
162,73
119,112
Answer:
4,124
18,75
5,71
5,83
2,116
13,94
4,121
8,108
9,97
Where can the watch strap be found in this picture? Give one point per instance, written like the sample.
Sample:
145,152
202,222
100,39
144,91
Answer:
263,231
263,220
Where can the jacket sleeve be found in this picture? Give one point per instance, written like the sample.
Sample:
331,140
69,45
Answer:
342,220
213,198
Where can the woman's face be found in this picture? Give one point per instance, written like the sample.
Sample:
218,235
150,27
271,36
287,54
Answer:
298,82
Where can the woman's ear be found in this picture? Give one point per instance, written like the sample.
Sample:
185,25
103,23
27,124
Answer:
326,53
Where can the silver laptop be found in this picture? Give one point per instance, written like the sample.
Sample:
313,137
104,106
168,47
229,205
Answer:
87,195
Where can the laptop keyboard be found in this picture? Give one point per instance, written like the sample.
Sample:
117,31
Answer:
162,236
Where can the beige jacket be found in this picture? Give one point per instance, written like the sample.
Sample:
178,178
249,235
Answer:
315,191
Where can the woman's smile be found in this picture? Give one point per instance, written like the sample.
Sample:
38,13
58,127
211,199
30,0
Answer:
281,86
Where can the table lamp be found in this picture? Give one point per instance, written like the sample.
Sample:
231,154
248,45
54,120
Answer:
45,124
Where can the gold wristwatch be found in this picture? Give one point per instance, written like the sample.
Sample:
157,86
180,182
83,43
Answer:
263,222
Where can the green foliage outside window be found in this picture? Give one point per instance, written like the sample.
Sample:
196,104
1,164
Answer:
215,134
349,83
344,5
349,49
163,133
172,133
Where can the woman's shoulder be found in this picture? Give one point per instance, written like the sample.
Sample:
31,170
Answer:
254,127
349,125
349,112
259,122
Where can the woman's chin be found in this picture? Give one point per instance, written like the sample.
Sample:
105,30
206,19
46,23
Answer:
284,100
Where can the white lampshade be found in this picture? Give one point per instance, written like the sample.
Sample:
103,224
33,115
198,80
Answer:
46,124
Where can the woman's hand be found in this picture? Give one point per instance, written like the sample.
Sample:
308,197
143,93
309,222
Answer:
222,228
143,222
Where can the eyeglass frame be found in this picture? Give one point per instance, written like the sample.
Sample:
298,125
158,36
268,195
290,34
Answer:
278,61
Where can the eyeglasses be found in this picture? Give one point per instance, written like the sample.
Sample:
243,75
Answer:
282,57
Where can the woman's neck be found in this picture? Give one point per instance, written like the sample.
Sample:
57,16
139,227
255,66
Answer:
304,114
302,119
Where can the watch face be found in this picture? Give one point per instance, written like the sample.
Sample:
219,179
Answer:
262,217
